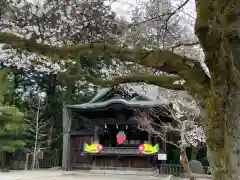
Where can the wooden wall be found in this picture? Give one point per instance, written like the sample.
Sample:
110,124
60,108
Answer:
77,143
127,161
79,160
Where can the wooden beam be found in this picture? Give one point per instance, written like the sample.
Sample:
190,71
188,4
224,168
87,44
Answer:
66,154
101,121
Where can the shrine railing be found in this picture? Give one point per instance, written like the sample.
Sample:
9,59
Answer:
177,170
119,151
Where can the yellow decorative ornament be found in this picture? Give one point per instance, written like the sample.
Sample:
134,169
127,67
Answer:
148,149
93,148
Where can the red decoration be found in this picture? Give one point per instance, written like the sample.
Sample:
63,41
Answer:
141,148
121,137
99,147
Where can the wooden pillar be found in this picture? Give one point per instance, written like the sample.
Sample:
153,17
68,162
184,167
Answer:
149,138
96,140
67,124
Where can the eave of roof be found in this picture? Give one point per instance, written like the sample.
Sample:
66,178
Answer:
102,92
150,92
82,132
117,101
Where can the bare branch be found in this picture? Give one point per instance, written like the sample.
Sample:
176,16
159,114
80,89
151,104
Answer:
35,125
145,124
183,113
169,14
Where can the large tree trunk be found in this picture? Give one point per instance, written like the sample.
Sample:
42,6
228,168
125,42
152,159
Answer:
223,139
3,159
222,102
217,27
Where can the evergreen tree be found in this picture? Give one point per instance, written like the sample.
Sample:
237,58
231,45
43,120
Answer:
11,120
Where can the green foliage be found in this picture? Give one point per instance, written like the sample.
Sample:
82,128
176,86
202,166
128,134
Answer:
11,119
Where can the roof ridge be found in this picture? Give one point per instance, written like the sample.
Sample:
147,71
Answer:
139,93
152,103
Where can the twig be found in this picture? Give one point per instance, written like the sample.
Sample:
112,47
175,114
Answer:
170,14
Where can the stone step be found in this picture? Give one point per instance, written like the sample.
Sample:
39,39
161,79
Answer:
122,172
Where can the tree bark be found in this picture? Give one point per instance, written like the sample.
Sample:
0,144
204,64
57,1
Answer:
223,140
186,167
222,125
209,157
3,160
217,27
27,161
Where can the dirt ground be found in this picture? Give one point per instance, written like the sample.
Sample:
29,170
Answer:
76,175
60,175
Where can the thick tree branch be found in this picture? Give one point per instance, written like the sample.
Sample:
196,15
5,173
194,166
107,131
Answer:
177,45
166,61
163,81
168,82
216,22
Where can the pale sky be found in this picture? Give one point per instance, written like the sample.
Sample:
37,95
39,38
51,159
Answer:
124,8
